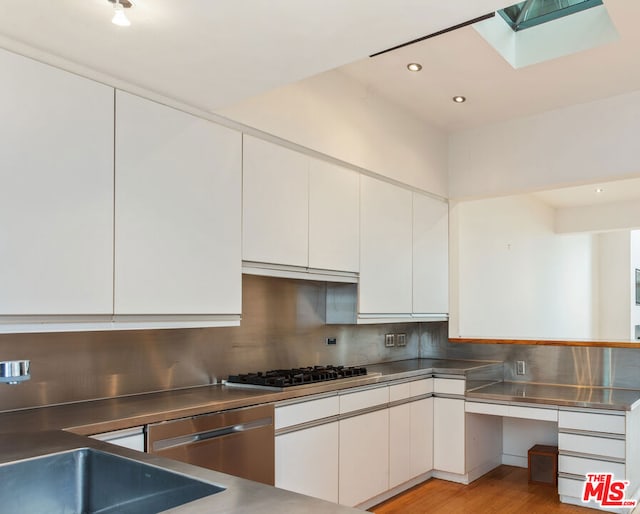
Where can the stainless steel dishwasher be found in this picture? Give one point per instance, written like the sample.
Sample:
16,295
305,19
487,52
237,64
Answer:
239,442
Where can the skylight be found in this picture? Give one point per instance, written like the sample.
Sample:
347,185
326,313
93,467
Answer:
530,13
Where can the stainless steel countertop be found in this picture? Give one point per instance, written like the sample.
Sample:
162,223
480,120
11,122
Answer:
560,395
93,417
240,495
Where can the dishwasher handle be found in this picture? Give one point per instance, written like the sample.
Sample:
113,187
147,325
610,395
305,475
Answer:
172,442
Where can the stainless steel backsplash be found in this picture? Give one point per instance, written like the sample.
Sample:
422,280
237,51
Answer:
576,365
283,325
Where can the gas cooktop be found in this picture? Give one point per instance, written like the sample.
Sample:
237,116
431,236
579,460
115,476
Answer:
280,378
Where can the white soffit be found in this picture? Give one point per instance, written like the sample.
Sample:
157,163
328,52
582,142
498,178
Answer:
564,36
212,54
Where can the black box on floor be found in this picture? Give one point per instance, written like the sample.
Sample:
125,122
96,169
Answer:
543,464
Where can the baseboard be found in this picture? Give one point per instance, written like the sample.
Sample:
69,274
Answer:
515,460
451,477
395,491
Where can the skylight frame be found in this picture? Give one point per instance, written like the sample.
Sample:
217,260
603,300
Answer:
545,18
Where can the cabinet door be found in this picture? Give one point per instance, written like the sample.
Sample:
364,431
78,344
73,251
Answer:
178,187
400,451
449,435
385,248
421,431
364,457
430,255
56,193
333,217
307,461
275,204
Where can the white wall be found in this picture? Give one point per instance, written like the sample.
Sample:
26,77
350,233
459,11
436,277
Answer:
635,264
333,114
614,253
573,145
514,277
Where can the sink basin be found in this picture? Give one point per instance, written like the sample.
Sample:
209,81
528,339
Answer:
91,481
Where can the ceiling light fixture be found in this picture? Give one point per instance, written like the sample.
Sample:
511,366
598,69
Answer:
414,66
599,190
119,17
459,99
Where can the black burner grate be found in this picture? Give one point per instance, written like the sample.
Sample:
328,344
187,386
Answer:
297,376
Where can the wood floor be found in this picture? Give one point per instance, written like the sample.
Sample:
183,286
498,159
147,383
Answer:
504,490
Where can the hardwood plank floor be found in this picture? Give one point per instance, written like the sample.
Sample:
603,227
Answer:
504,490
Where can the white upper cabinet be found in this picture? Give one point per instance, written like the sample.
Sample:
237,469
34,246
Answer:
430,255
178,212
275,204
297,210
56,192
385,248
333,217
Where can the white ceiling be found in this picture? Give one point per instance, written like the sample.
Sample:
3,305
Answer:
462,63
210,54
612,192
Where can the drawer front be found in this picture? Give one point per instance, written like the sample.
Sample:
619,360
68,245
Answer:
581,466
449,386
533,413
493,409
593,422
399,392
289,415
592,445
363,399
570,487
420,387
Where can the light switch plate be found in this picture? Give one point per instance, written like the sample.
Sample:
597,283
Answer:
401,339
390,340
521,368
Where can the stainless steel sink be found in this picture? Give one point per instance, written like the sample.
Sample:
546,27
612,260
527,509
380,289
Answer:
91,481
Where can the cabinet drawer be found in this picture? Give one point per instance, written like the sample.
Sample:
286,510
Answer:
515,411
399,392
363,399
613,424
493,409
419,387
570,487
592,445
289,415
581,466
449,386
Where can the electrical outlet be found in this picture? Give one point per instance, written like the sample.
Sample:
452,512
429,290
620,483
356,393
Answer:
390,340
332,340
521,368
401,339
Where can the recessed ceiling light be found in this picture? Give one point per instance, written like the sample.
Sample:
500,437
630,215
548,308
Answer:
414,66
459,99
599,190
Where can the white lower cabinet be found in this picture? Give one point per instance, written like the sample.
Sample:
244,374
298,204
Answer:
597,442
399,444
449,435
316,445
421,431
364,457
410,441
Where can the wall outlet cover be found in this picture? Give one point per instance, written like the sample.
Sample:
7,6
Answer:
390,340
